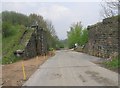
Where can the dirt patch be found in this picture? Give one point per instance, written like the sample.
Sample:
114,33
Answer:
12,74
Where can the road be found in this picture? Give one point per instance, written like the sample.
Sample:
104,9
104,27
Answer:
69,68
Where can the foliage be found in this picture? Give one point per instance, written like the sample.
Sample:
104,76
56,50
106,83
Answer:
6,29
12,43
53,40
51,49
13,27
63,43
77,34
84,37
113,64
15,18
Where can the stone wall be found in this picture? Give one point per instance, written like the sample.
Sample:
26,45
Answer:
103,38
37,44
30,49
41,42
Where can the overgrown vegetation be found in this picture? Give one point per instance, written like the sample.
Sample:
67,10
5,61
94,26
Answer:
12,43
112,64
14,25
0,47
77,34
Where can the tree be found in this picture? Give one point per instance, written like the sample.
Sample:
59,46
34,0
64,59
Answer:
84,37
14,18
50,28
110,8
11,19
77,34
53,40
33,18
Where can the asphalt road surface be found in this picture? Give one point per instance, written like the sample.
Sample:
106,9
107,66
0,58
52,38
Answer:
69,68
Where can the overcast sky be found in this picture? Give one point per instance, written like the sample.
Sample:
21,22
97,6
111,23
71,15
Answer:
62,14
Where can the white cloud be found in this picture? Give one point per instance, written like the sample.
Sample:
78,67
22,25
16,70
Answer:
48,11
54,12
13,6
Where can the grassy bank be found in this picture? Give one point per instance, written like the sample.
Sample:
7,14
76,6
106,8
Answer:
13,42
112,64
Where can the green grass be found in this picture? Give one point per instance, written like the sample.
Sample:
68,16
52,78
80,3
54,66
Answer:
113,64
0,44
12,43
0,37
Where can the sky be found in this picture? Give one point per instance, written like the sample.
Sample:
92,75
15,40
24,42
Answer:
62,14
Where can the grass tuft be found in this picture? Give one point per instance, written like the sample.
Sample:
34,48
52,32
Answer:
112,64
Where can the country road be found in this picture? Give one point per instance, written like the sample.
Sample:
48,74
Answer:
69,68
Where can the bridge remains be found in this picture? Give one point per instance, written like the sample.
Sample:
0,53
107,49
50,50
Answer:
37,44
103,38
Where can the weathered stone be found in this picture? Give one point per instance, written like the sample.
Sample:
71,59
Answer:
37,44
103,38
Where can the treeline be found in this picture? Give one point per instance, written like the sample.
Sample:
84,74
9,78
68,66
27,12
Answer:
11,19
15,18
77,35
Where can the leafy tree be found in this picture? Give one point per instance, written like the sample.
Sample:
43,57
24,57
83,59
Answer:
84,37
53,40
74,34
34,18
77,35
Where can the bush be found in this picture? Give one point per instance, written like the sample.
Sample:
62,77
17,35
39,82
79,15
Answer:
51,49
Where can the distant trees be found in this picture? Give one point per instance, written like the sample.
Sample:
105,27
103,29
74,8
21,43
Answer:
84,36
77,34
15,18
52,39
10,19
110,8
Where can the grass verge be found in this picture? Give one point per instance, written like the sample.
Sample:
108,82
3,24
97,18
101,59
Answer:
112,64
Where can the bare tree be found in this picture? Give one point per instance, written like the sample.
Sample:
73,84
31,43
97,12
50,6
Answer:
110,8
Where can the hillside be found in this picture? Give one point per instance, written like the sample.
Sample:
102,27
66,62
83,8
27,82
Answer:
17,33
12,43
